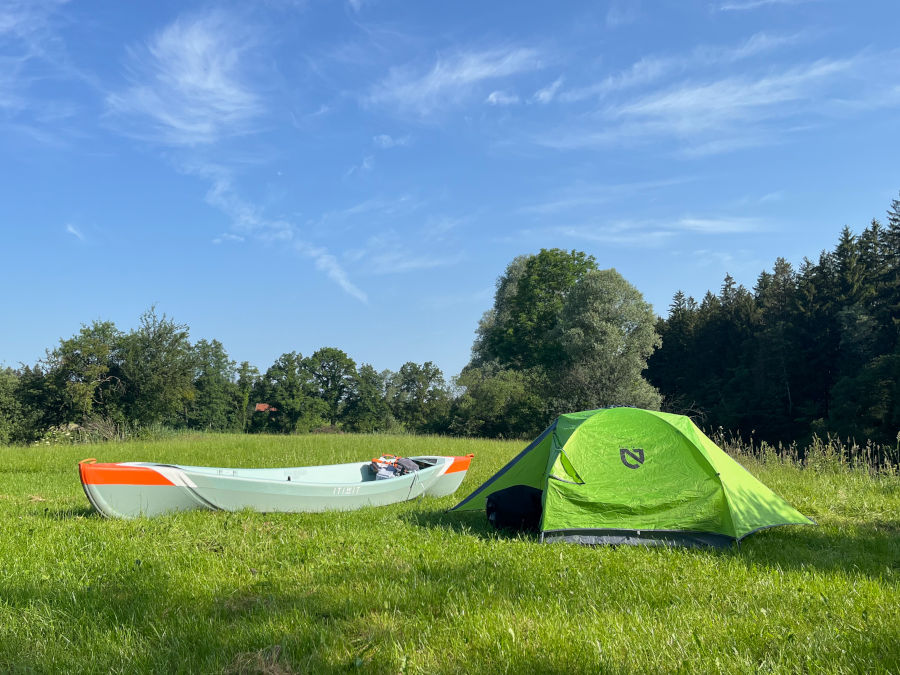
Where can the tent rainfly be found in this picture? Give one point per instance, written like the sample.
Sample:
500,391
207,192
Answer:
632,476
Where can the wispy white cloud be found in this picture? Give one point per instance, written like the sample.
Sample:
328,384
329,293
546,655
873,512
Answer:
622,12
189,82
286,5
385,141
626,233
29,23
620,236
222,195
388,253
769,197
228,236
689,107
501,98
648,69
705,257
392,251
756,200
742,261
647,233
327,263
32,52
757,44
11,97
376,211
721,115
249,221
588,195
303,121
653,68
453,79
730,225
548,93
366,165
74,231
743,5
439,229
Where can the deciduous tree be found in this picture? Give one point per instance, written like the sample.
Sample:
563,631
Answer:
157,370
88,368
214,387
578,336
517,331
606,332
367,409
289,386
334,373
420,400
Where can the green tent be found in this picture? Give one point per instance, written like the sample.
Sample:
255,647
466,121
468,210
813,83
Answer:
631,476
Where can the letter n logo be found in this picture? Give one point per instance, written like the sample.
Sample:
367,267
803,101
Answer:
636,454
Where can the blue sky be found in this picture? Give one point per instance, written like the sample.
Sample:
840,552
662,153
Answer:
291,175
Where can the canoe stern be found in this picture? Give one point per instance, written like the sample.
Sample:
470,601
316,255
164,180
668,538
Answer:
130,491
452,477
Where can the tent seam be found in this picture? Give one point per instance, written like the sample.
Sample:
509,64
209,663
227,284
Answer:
711,465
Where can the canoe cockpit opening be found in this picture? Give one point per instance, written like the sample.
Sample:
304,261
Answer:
369,472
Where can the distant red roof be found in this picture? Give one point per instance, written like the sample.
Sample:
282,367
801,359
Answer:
265,407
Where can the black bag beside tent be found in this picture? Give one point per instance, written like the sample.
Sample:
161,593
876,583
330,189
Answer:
516,508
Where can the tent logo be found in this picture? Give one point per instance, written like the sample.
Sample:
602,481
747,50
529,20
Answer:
637,454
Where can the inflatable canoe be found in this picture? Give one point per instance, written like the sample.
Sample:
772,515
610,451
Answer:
133,489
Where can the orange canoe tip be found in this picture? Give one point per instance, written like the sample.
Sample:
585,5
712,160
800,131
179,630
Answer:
117,474
460,463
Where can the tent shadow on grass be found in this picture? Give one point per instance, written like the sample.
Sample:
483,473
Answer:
467,523
870,549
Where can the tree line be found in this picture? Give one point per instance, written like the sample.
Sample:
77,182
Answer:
562,335
153,376
807,351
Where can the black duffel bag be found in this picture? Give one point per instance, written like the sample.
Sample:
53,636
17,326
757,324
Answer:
515,508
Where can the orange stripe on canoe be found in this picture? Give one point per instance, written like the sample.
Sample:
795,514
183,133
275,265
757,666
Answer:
460,463
116,474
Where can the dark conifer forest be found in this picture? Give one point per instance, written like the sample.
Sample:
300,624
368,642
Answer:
811,350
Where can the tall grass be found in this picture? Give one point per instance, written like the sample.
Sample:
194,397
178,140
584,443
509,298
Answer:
821,454
411,588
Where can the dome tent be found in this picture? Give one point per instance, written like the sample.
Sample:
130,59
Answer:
632,476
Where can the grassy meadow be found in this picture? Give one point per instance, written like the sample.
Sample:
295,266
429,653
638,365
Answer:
410,588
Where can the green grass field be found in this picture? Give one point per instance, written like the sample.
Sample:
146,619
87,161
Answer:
410,588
